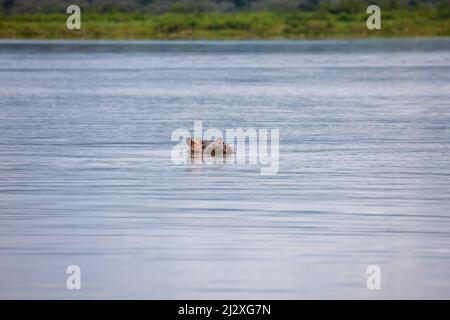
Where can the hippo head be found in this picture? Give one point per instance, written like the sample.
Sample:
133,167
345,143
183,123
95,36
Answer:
194,144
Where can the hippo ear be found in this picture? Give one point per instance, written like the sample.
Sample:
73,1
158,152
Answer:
188,141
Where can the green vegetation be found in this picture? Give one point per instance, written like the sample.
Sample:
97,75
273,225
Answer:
279,19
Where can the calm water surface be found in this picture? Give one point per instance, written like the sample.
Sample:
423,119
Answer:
86,176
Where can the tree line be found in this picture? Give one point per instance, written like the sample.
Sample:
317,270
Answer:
8,7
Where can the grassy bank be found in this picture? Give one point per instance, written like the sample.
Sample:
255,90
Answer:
240,25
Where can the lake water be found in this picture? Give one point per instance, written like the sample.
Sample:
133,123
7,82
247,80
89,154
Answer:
86,176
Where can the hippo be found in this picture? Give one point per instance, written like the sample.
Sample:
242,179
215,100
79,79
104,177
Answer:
210,147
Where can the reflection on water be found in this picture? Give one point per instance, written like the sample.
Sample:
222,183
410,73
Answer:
86,176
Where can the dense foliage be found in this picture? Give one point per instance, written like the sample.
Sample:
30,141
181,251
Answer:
222,19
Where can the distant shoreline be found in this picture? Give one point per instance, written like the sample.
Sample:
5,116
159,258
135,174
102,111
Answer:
226,26
210,41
